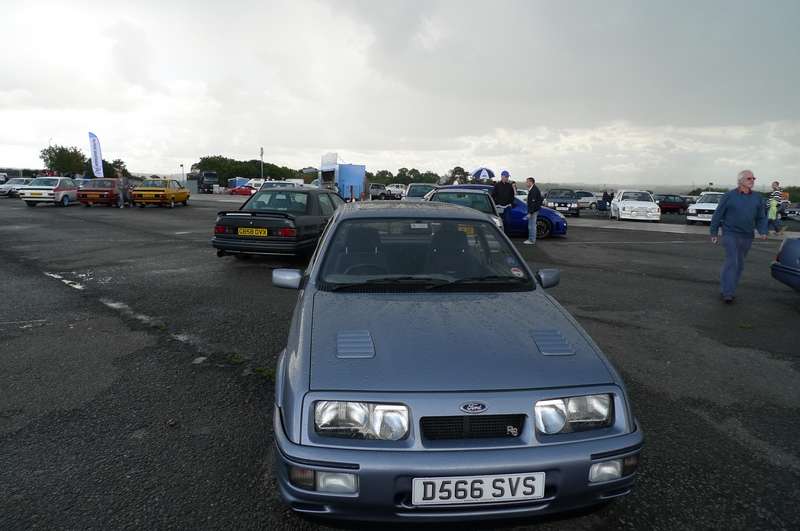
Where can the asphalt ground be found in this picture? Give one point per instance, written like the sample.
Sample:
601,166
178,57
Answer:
137,372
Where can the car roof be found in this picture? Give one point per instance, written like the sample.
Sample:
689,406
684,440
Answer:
401,209
711,193
457,188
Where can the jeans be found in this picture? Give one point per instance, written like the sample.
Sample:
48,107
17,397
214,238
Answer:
774,224
532,226
736,248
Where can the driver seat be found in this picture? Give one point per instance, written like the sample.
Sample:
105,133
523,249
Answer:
363,247
450,253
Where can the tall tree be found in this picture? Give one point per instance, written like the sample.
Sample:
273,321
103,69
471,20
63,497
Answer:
458,173
384,176
63,159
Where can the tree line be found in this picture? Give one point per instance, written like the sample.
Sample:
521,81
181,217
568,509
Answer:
71,161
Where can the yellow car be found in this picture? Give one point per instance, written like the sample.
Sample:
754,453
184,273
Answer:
163,192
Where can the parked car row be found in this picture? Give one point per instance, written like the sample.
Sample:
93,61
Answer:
64,191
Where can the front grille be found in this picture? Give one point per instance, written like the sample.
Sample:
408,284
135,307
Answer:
471,427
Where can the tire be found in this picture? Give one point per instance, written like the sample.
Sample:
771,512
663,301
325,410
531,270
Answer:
86,205
592,206
64,201
543,228
172,203
30,203
689,222
186,202
140,205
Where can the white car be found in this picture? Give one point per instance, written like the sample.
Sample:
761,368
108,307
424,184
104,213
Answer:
704,208
12,186
521,193
586,199
275,184
396,189
60,191
634,204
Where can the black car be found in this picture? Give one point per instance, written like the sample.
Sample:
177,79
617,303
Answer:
275,221
562,200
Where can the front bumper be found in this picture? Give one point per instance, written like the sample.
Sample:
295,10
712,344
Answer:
648,216
788,275
701,218
385,478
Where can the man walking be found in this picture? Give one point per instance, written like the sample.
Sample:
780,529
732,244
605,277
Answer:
774,206
503,191
534,204
739,213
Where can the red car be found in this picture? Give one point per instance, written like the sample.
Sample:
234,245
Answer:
99,192
671,203
243,190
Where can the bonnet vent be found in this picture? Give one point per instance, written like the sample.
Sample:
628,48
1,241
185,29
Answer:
552,343
354,344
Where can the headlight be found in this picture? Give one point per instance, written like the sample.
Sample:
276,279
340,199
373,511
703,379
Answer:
361,420
577,413
551,204
573,205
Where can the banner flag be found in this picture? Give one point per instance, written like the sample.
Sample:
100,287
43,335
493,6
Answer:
97,155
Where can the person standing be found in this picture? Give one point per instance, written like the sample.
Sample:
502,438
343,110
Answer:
503,191
773,210
739,213
534,204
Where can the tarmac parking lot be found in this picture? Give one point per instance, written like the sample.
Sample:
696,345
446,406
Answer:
137,372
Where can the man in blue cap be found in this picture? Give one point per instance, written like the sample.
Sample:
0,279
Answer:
503,191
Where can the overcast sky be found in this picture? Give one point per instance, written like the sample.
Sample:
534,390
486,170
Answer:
602,92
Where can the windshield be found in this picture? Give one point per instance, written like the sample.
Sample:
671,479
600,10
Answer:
421,254
637,196
709,198
16,181
561,193
153,184
418,190
100,183
43,181
278,201
477,201
522,191
210,177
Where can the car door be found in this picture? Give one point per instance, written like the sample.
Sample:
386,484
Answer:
181,193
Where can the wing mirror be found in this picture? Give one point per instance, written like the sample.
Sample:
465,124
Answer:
287,278
548,278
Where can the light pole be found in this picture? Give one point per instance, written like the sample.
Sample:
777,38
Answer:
262,163
183,175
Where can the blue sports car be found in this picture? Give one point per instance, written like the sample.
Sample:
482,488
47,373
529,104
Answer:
548,223
786,267
455,415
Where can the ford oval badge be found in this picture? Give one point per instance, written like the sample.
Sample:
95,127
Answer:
473,407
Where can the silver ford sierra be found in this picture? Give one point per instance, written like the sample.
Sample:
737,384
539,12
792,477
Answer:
428,377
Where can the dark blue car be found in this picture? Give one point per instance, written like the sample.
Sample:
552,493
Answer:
549,222
786,267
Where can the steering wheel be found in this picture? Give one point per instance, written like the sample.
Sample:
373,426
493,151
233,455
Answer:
365,269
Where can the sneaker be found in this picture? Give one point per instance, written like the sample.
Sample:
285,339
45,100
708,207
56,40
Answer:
528,242
727,299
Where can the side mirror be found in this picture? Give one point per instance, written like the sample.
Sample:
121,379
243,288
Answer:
548,278
658,202
287,278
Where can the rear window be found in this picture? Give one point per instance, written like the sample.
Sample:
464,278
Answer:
557,192
278,201
44,181
637,196
154,184
100,183
709,198
477,201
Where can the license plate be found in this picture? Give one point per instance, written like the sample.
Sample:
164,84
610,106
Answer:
93,196
36,193
704,216
250,231
477,489
562,208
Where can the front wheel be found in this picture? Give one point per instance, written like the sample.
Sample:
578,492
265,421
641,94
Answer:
689,222
592,206
186,202
543,228
30,203
172,203
64,201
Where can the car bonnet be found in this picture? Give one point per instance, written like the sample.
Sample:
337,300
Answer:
447,342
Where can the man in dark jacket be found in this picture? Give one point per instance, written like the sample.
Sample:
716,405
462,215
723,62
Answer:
503,191
534,204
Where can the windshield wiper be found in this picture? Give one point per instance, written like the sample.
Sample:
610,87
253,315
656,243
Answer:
387,281
488,279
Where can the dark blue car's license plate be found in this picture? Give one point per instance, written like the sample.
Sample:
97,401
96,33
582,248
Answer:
477,489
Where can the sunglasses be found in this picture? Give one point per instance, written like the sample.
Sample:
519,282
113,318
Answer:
750,179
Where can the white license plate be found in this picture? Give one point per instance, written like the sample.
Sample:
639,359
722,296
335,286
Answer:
704,216
562,208
477,489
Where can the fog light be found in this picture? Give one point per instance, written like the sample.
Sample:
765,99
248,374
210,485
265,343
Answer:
302,478
337,482
605,471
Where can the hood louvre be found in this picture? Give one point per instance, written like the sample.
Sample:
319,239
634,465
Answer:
552,343
354,344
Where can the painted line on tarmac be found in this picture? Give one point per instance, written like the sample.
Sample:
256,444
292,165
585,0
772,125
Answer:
704,242
68,282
